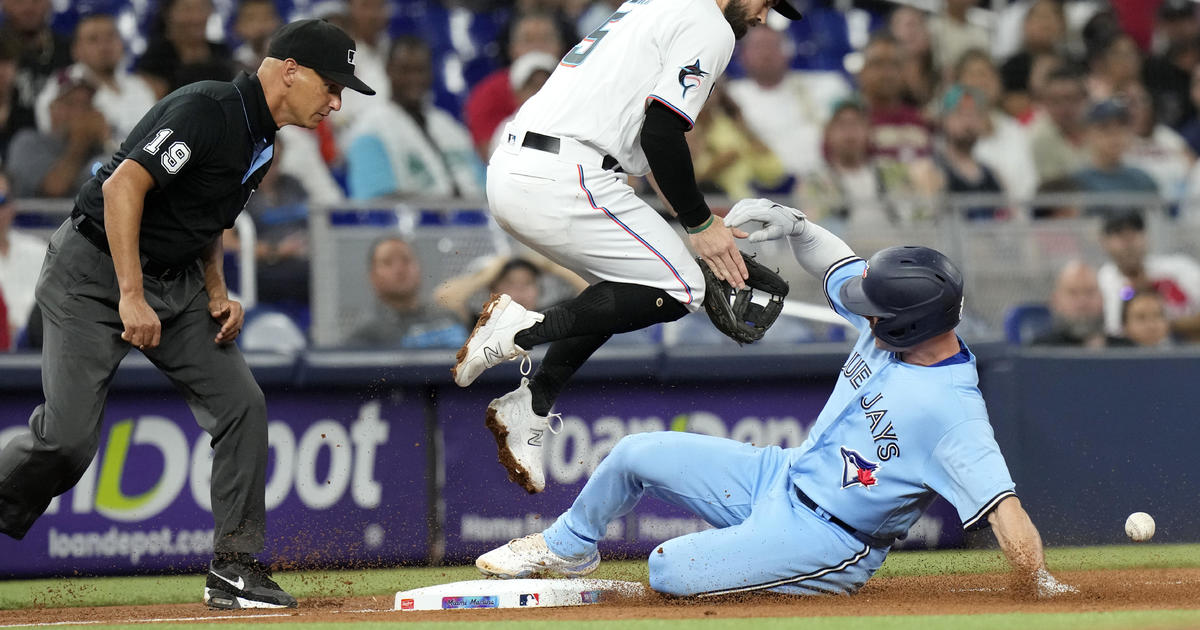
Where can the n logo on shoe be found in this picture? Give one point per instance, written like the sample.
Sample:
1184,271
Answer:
492,356
536,438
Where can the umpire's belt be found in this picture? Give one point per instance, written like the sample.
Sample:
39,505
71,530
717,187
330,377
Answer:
866,539
91,230
570,149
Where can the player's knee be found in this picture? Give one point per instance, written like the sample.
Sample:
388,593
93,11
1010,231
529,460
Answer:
668,575
633,449
246,405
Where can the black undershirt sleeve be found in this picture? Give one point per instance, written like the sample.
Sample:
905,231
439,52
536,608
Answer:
671,162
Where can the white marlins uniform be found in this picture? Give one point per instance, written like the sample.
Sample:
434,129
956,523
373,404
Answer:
565,204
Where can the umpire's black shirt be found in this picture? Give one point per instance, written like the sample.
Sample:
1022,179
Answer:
208,145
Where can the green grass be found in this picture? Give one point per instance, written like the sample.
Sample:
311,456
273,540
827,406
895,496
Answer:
383,583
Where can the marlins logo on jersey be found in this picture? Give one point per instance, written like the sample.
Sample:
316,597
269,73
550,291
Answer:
857,470
690,76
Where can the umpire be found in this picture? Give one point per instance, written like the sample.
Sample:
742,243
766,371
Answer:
139,265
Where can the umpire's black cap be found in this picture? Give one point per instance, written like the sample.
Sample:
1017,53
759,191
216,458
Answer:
319,45
787,10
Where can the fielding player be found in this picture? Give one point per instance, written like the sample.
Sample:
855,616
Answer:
138,265
619,103
905,422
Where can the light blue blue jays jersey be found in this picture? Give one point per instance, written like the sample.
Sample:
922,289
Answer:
893,434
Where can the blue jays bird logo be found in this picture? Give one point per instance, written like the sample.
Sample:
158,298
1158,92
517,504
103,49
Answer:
857,470
690,76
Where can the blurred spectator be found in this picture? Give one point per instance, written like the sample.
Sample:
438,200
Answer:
1021,83
1043,35
179,52
1168,72
58,162
1156,148
407,146
1057,139
920,77
13,117
783,107
1114,62
527,75
1003,144
521,278
963,121
401,320
99,53
1176,22
851,187
253,24
1176,278
952,35
1144,320
897,130
41,53
908,25
21,258
492,99
1109,135
727,156
1077,311
367,22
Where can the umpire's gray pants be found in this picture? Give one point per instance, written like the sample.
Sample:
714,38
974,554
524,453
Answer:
82,346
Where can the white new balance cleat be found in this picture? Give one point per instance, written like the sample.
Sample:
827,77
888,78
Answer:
491,343
520,435
530,557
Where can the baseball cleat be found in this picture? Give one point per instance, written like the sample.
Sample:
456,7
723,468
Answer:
492,341
530,557
238,580
520,435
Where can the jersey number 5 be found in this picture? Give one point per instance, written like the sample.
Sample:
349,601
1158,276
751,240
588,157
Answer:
589,43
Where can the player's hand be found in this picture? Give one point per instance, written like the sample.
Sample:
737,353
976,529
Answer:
230,315
716,246
1047,586
142,328
777,220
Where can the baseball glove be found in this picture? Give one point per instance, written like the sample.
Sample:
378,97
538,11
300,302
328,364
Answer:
734,312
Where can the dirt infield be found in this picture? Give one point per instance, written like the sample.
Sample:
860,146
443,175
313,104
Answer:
930,595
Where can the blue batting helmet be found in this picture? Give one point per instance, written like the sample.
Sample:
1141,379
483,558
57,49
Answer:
916,292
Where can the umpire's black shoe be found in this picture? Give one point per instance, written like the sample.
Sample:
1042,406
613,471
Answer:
238,580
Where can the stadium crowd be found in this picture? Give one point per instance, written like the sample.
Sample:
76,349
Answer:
866,114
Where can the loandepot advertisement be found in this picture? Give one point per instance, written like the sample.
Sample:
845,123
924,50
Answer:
345,483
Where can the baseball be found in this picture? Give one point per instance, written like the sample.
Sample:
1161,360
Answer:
1139,527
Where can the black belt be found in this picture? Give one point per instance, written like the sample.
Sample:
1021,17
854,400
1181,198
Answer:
93,232
819,511
550,144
